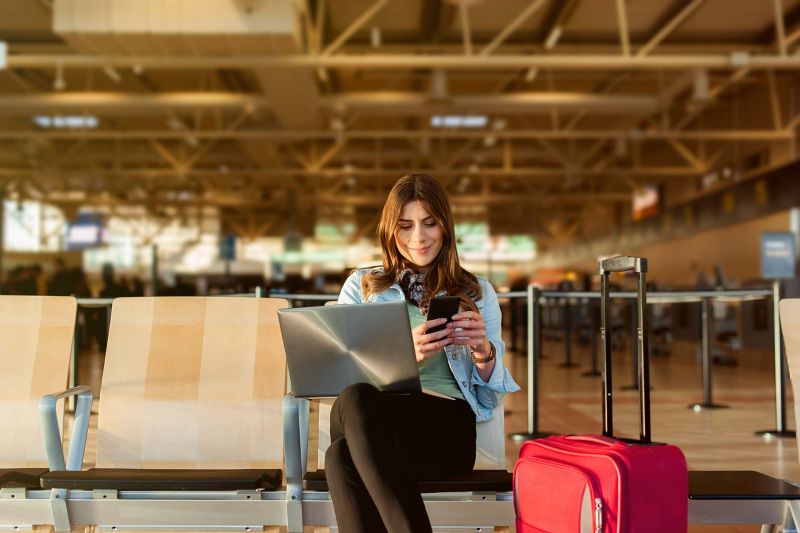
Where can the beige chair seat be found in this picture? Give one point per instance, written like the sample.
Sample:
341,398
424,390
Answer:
26,478
475,481
164,479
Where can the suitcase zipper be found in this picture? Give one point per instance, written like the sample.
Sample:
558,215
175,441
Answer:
598,515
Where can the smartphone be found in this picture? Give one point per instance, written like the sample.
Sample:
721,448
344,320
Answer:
442,307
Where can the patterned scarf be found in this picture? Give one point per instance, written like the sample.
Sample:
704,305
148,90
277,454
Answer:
413,286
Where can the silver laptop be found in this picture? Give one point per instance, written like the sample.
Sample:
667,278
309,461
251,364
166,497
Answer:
330,348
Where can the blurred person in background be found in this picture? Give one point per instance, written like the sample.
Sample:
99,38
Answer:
59,284
111,288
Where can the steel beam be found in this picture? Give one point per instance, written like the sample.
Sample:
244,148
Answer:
669,27
301,135
530,172
780,30
378,102
354,27
382,61
466,31
524,15
622,23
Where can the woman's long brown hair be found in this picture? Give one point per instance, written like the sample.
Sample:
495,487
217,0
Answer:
445,272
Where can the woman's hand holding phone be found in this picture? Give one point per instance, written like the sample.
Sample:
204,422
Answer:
469,329
429,344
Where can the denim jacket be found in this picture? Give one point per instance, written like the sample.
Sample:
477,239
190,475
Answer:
482,396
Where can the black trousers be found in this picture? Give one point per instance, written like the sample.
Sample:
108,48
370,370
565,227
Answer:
381,444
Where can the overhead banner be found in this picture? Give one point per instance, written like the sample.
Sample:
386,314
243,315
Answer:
778,255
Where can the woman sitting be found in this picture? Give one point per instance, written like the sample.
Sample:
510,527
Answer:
383,443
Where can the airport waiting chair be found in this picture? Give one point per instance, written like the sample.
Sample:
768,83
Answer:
790,326
189,430
36,334
476,502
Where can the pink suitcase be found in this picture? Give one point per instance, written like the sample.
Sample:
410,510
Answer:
598,483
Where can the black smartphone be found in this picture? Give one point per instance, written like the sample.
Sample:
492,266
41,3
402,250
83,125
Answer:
442,307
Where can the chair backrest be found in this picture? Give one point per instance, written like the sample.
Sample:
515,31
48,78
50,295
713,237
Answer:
490,441
790,324
36,335
193,382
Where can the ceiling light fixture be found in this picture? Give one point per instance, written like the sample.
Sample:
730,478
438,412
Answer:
112,73
58,83
700,86
337,126
438,87
66,121
375,37
174,123
459,121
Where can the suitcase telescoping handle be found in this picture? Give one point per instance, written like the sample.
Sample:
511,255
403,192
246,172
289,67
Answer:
625,264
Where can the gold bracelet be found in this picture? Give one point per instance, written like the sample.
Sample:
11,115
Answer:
479,360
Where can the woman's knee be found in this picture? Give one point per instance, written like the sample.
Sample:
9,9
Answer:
356,397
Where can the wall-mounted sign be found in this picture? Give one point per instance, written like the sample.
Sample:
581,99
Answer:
227,247
778,255
646,199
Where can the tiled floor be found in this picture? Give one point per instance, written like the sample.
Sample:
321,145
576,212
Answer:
569,403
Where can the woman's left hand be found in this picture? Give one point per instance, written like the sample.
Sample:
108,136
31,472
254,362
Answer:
472,332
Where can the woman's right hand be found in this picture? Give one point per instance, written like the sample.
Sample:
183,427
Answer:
429,344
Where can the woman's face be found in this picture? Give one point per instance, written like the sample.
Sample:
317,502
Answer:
419,237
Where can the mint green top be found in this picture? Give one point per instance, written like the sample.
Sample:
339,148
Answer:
434,372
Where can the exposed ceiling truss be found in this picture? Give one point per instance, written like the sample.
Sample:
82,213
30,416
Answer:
572,119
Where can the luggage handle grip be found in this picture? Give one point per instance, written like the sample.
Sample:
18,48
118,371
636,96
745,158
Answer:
623,263
605,441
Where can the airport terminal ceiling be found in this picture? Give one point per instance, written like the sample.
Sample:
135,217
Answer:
542,117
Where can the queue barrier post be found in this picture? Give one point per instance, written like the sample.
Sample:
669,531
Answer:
780,430
705,348
534,349
593,328
566,314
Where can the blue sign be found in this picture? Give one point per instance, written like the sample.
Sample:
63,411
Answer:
778,255
227,247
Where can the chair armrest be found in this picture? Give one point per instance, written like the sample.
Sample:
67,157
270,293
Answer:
295,444
80,428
